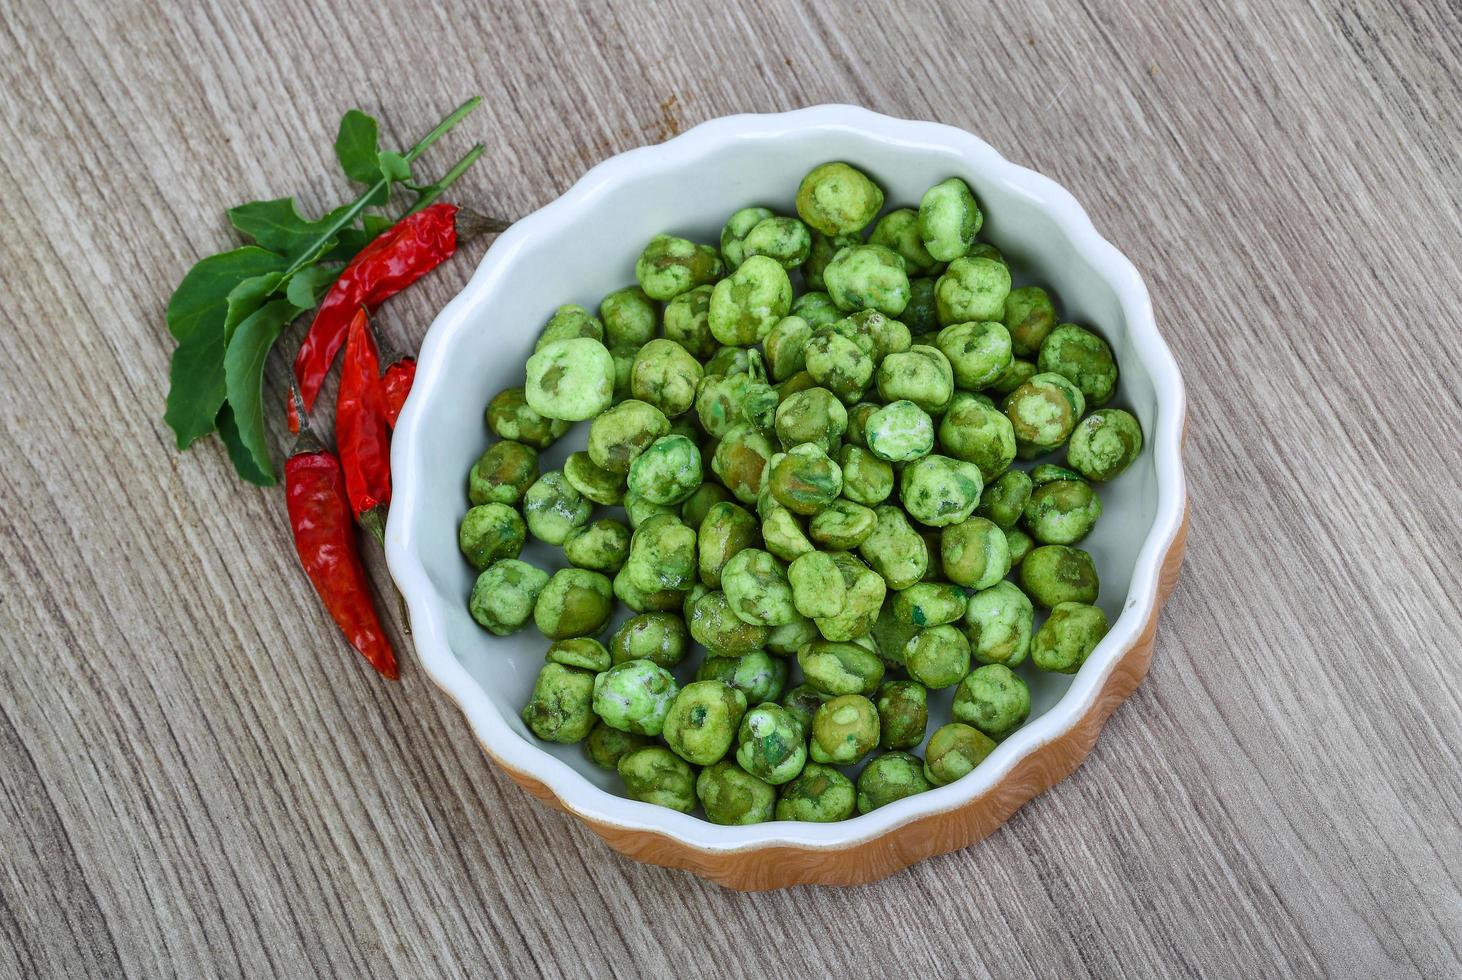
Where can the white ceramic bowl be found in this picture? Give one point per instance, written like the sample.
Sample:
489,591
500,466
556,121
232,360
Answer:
582,246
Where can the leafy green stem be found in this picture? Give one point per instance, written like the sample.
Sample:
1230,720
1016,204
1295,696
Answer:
432,191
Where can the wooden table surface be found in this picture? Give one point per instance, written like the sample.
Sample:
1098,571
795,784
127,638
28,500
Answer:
198,780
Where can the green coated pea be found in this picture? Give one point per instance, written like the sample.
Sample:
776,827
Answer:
756,587
1043,412
903,714
726,530
503,474
867,479
802,703
630,318
801,381
1062,512
839,365
842,525
1004,500
1020,545
771,744
749,302
786,240
992,699
639,510
623,432
668,471
974,553
654,774
1054,573
510,417
740,461
575,602
718,401
820,794
975,431
875,334
984,250
1029,317
978,352
694,509
997,622
814,416
787,639
1082,358
737,227
670,266
605,746
665,375
925,604
817,584
503,595
584,652
644,600
624,367
701,725
552,508
894,549
601,546
899,432
862,277
658,637
715,627
732,796
1051,473
559,709
840,668
939,491
844,730
921,315
784,534
816,307
949,219
824,247
921,375
593,481
568,322
937,657
899,231
858,416
1104,444
489,532
1017,374
972,289
786,346
730,360
889,778
757,674
662,554
837,199
1068,636
570,379
804,479
865,595
634,696
954,751
688,322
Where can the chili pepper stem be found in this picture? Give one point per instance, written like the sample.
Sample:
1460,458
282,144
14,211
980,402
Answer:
471,224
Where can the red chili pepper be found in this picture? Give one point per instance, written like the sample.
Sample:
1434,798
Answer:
396,385
324,536
292,412
395,259
361,434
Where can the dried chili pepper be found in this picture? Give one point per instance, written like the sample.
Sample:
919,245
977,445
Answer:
396,385
324,536
361,434
395,259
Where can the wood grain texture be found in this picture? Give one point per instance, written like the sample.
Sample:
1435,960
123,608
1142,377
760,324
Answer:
197,781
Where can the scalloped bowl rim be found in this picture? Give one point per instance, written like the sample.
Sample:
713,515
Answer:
575,793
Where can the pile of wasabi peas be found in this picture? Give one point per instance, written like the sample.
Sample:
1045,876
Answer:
819,488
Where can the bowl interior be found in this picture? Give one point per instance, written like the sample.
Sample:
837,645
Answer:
576,251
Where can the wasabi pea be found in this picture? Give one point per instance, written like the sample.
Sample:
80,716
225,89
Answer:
734,233
559,708
771,744
502,474
718,401
1043,412
894,550
939,491
668,471
605,746
977,432
787,639
510,417
785,240
575,602
757,674
489,532
954,751
757,590
889,778
992,699
925,604
899,432
863,277
804,479
748,303
974,553
716,627
624,366
840,668
1054,573
972,289
802,703
949,219
816,308
658,637
875,334
824,247
786,346
844,730
654,774
593,481
693,509
1029,316
997,622
601,546
837,199
729,361
921,375
730,795
899,231
634,696
820,794
665,375
503,595
688,322
814,416
569,322
1067,637
978,352
865,593
1019,543
1104,444
584,652
903,714
727,530
1062,512
552,508
623,432
570,379
639,510
800,381
670,266
662,554
784,534
842,525
701,725
1004,500
867,479
630,318
817,585
1017,374
921,315
858,417
1082,358
937,657
838,364
740,461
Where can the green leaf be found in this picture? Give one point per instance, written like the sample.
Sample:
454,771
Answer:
352,240
356,147
196,316
278,225
228,431
394,166
309,284
243,367
247,297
